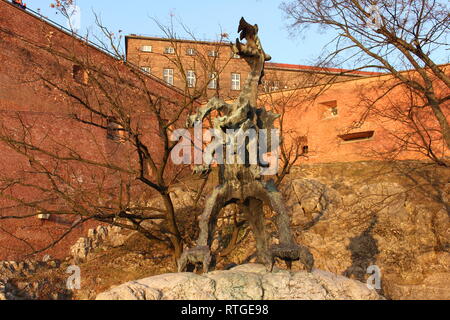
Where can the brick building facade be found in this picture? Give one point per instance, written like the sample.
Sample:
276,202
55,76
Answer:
361,119
191,65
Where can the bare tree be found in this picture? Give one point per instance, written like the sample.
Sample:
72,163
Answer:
206,60
390,36
409,128
289,104
119,155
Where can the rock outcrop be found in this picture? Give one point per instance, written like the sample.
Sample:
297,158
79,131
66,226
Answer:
13,269
353,216
13,285
99,237
4,292
395,216
245,282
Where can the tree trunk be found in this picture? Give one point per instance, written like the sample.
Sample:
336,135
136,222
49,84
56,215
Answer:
175,236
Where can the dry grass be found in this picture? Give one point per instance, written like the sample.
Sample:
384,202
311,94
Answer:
138,258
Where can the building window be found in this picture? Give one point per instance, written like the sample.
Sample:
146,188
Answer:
330,109
115,131
191,52
334,111
357,136
147,70
235,81
169,50
270,86
190,78
213,53
168,76
80,74
213,82
302,141
42,216
146,48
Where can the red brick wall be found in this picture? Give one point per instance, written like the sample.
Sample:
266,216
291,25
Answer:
312,118
31,110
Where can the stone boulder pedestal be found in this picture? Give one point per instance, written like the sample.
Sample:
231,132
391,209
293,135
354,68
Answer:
245,282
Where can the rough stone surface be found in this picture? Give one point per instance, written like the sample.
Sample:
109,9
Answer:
3,291
246,282
20,290
12,269
353,216
95,239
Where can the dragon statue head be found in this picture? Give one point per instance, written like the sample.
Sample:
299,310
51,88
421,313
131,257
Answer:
252,50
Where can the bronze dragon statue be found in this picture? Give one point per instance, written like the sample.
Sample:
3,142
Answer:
242,183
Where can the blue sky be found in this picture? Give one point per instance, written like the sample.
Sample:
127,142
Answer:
206,18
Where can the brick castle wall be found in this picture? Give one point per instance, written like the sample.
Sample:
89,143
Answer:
33,52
